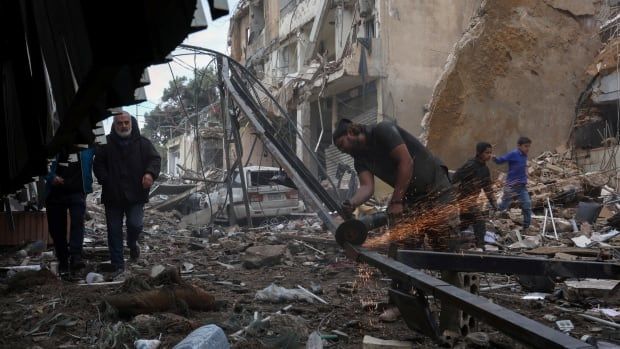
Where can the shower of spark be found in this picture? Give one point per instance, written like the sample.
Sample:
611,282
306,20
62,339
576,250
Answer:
434,222
364,278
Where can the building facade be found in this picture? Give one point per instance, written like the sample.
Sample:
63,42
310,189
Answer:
359,59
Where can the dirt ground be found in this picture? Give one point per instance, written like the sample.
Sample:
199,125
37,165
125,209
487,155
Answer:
68,314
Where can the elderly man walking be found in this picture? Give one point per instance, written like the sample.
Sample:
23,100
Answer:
125,167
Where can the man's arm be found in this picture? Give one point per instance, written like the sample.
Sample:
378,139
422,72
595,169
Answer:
462,173
404,172
100,165
488,190
366,189
154,161
502,159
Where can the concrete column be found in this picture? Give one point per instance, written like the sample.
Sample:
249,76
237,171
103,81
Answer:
303,127
380,83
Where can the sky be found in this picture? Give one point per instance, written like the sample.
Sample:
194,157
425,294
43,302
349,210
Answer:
214,37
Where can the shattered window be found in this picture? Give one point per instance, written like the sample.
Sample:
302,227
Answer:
258,178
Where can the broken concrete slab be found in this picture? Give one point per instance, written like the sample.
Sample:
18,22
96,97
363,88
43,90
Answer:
197,219
579,290
509,59
370,342
575,7
256,257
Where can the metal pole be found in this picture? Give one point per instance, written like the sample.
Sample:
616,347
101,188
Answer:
226,127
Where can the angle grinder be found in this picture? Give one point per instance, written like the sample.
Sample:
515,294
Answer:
355,231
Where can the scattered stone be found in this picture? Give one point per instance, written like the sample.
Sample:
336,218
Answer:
257,257
156,270
390,315
550,317
477,339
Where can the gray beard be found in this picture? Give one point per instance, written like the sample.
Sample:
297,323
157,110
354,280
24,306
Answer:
124,134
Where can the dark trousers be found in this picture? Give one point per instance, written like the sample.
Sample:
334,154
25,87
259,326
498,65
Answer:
134,214
57,206
472,216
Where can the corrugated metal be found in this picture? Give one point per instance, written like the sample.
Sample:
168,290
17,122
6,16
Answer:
333,156
29,226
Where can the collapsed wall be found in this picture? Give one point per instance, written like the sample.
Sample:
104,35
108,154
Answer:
518,70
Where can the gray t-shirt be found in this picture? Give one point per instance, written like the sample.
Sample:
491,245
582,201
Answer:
429,174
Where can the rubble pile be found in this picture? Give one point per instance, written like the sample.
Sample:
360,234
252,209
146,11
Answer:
557,177
287,283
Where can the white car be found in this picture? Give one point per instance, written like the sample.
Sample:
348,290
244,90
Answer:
266,198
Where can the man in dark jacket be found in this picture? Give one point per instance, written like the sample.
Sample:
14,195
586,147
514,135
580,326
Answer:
125,167
471,178
68,182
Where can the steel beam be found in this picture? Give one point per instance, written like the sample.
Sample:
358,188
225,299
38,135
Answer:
301,181
508,264
512,324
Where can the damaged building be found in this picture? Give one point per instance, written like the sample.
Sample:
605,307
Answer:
596,125
519,69
182,152
328,59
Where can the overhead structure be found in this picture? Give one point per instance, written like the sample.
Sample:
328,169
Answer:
66,62
249,96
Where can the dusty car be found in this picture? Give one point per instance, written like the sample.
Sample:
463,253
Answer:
266,197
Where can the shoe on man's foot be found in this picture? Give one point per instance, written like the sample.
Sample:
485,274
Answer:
76,263
63,268
134,254
118,274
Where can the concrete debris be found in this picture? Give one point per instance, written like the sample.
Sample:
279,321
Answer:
580,290
156,270
575,7
257,257
477,339
507,59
